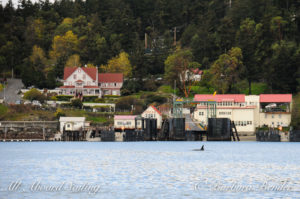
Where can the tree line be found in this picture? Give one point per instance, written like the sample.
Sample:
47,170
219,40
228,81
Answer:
231,40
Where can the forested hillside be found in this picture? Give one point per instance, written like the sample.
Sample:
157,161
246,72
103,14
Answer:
234,41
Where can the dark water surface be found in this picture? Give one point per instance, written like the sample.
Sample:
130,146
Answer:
149,170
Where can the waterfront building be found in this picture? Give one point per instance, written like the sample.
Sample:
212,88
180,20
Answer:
127,122
83,81
153,113
73,123
247,112
122,122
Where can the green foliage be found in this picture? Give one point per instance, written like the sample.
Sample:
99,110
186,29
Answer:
155,99
36,40
89,98
226,71
130,87
1,87
201,90
34,94
111,96
3,110
76,103
126,103
165,89
59,113
63,97
257,88
53,98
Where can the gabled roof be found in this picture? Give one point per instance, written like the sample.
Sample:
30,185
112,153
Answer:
92,72
156,110
220,97
68,71
277,98
110,77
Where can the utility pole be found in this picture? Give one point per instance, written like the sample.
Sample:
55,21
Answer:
146,41
175,36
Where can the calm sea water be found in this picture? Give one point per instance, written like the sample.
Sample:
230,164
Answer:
149,170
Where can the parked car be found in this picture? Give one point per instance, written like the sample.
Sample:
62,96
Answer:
27,102
18,102
36,103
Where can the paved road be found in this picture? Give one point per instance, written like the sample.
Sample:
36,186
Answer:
11,91
190,125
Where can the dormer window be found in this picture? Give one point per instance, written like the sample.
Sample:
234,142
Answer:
74,77
83,76
79,70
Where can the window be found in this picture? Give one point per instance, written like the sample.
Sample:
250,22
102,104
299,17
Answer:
201,113
74,77
119,123
115,84
128,123
83,76
279,116
272,116
266,116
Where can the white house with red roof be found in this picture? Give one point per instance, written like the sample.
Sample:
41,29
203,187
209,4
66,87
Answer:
152,112
192,74
127,122
124,122
247,112
110,83
275,109
87,81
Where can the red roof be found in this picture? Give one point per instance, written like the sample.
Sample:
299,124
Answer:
92,72
156,110
67,87
68,71
275,98
110,77
221,97
197,71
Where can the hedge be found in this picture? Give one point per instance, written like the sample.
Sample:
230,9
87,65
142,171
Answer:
89,98
64,97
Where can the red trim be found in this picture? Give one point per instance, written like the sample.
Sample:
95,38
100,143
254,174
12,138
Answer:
156,110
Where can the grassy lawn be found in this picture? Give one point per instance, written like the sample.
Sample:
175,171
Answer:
3,111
